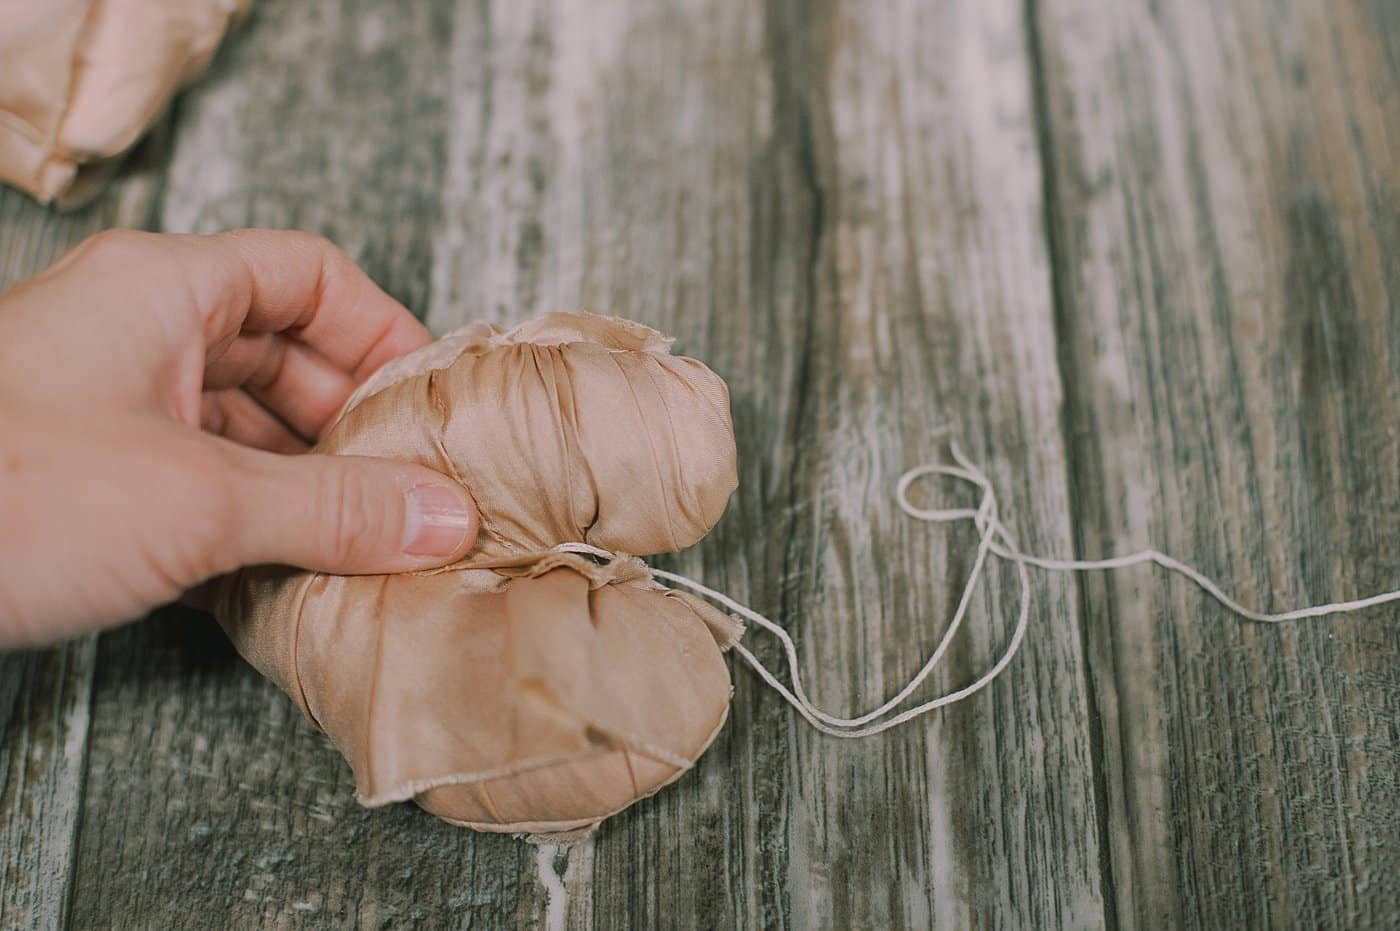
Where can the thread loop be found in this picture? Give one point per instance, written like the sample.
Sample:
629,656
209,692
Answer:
994,540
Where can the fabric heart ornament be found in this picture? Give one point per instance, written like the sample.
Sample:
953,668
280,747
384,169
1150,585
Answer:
524,689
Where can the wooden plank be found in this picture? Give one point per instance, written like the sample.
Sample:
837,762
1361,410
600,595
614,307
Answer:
43,739
839,209
44,694
1225,231
210,803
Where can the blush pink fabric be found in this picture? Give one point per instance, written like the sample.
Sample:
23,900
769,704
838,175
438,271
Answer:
523,689
82,80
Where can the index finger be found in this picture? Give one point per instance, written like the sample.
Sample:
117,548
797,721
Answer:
300,285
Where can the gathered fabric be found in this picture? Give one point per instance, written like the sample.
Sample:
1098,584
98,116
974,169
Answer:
525,688
82,80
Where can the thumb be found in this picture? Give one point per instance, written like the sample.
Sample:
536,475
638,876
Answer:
350,515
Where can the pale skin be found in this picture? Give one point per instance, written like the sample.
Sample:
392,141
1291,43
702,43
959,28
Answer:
158,394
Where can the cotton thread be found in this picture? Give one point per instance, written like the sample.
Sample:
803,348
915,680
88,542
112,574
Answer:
994,539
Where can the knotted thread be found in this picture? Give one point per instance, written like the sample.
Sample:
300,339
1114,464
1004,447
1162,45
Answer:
995,540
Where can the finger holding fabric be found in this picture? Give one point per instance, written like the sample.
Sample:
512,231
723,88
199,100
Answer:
112,497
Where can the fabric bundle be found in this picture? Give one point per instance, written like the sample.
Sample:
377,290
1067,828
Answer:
82,80
524,689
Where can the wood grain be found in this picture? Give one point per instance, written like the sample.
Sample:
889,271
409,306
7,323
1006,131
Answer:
1226,233
1141,257
839,209
45,694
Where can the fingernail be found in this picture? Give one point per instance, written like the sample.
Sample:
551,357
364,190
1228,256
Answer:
439,521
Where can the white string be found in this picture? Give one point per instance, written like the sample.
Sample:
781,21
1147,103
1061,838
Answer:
994,540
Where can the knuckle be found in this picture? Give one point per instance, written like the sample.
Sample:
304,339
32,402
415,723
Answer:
353,517
132,257
195,490
321,249
210,496
336,264
321,243
118,246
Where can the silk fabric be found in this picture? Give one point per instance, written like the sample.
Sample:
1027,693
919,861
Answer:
523,689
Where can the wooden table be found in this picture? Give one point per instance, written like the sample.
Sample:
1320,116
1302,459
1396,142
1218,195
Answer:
1144,256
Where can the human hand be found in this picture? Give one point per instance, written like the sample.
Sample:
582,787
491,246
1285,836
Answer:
113,500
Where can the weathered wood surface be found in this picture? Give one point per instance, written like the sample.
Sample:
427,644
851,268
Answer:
1142,258
1226,220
